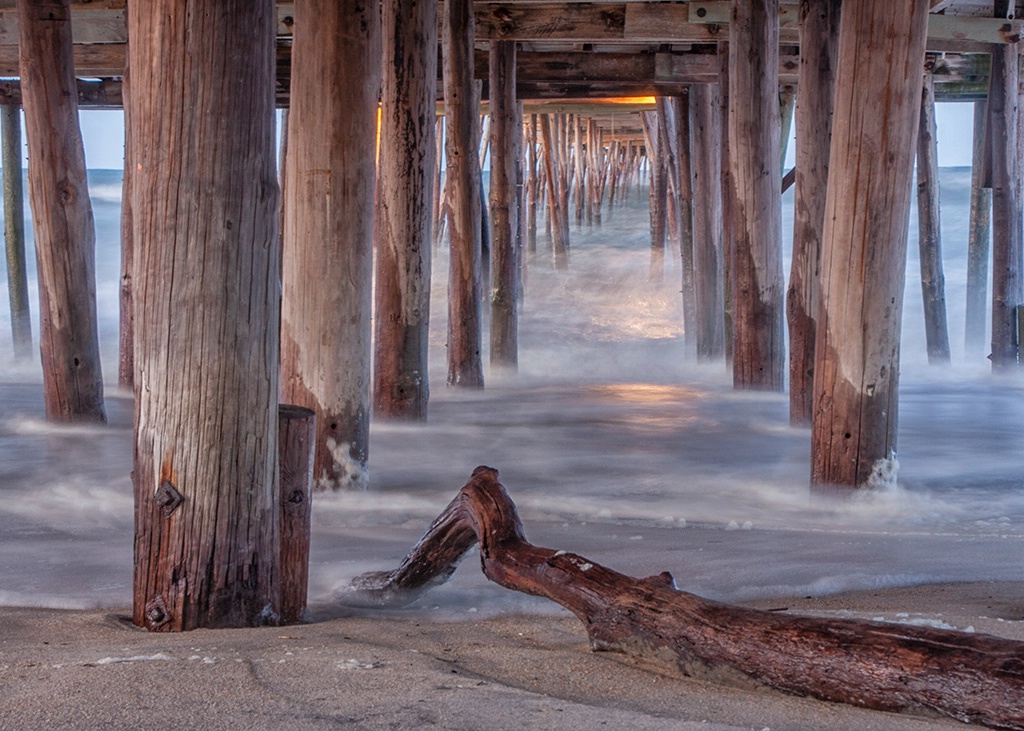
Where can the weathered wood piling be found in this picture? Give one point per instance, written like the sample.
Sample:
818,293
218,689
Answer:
328,231
405,210
465,326
207,540
65,236
14,230
856,379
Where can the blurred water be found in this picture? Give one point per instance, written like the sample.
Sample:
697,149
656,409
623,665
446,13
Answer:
612,443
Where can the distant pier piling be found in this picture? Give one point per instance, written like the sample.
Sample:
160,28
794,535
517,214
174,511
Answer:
14,230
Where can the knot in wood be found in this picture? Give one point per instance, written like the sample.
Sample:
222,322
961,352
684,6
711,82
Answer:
296,497
66,191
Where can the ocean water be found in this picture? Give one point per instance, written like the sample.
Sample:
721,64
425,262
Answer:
612,442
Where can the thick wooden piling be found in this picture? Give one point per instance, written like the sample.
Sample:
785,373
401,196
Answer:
881,54
207,541
976,312
819,44
296,447
65,235
504,210
14,231
1007,170
707,219
465,364
401,388
759,348
328,231
933,282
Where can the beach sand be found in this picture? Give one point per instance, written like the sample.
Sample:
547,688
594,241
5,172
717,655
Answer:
82,669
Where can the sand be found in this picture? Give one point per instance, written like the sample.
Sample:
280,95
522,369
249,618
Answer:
76,669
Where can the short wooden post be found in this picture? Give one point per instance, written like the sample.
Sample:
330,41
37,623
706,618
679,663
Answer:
14,231
465,324
819,43
296,446
207,540
933,282
401,388
1006,204
707,219
759,348
65,237
976,312
881,56
504,211
328,231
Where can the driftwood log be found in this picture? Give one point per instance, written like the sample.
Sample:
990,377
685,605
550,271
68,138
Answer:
974,678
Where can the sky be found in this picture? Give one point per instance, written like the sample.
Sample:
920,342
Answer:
103,133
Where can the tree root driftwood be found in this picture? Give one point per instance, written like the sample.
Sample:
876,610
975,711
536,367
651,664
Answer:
974,678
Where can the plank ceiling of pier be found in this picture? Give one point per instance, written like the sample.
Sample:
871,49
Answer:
573,56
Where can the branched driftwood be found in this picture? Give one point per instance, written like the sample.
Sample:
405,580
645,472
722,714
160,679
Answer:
974,678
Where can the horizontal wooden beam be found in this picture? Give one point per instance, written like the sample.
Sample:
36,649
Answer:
92,93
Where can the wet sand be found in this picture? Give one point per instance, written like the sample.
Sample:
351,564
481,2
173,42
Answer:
80,669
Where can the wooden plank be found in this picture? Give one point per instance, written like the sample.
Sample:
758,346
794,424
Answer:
296,442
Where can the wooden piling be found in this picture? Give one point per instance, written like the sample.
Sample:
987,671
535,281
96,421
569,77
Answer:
976,313
296,447
759,348
657,192
405,214
680,108
707,219
465,365
328,231
65,237
1007,215
933,282
207,541
126,307
504,211
532,185
559,243
819,44
728,202
881,54
14,230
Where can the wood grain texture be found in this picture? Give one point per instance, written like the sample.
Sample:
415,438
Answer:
204,202
463,181
933,281
504,210
976,311
707,219
405,215
296,440
970,677
65,235
759,347
819,43
874,136
328,231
